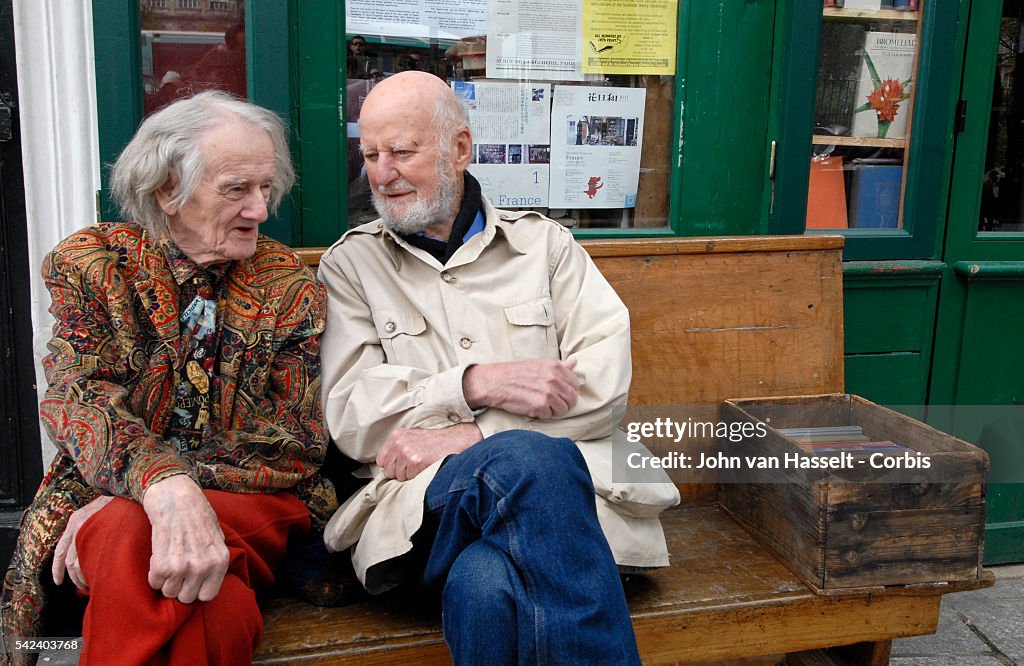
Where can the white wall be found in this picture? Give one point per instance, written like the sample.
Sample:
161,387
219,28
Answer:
57,94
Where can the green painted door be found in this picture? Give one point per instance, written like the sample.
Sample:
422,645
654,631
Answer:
978,366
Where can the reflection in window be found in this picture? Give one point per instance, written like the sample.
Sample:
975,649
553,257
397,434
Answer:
372,57
1002,193
187,49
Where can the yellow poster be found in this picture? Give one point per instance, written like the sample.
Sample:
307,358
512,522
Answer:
629,36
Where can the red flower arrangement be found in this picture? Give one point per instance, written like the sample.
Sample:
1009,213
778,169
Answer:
885,99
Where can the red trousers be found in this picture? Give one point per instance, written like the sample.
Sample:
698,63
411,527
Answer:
128,622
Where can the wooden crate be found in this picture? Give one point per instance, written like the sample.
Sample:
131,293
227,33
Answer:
841,530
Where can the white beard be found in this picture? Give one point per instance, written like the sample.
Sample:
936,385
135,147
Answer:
423,212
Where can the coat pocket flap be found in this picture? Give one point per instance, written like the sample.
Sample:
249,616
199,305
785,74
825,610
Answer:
390,323
539,312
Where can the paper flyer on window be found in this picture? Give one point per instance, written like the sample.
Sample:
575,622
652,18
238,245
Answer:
627,37
533,39
511,125
596,137
434,19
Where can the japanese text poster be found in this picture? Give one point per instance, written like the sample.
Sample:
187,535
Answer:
511,129
596,135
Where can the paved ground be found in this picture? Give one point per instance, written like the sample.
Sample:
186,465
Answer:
979,628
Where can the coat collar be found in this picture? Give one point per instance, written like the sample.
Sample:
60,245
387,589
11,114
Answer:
495,222
159,291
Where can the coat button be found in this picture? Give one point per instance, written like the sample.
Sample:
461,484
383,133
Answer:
453,417
389,327
447,277
465,343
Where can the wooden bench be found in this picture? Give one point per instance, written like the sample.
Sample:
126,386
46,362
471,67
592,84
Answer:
712,318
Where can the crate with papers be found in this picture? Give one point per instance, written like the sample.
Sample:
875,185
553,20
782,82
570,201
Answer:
853,496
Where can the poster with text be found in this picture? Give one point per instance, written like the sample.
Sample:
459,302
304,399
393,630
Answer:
627,37
433,19
511,125
534,39
596,137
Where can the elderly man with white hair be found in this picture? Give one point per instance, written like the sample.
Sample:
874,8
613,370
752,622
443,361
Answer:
183,397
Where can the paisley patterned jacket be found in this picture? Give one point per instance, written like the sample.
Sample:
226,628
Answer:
115,360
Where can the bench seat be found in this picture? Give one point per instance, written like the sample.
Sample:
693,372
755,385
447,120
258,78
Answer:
724,597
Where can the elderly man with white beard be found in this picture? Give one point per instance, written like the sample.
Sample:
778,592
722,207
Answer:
472,359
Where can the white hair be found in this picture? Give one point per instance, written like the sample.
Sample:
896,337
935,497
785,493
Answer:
449,117
166,146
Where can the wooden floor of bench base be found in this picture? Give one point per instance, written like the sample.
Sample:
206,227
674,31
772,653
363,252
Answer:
724,597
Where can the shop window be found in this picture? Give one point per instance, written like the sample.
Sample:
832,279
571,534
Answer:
867,78
1002,190
185,52
571,102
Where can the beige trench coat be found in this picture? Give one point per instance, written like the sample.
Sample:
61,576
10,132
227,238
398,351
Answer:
401,331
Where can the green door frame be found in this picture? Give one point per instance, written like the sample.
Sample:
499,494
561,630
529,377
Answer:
976,361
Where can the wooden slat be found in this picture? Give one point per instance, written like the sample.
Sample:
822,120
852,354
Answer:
908,546
633,247
716,325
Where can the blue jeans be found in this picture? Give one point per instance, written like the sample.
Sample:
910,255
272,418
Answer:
525,573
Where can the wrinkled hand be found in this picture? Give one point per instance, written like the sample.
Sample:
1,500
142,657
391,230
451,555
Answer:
406,453
65,558
541,388
189,555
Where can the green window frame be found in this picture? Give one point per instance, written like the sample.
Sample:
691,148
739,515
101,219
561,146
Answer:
931,143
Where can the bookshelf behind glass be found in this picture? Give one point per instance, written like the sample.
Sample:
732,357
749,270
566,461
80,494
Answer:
866,79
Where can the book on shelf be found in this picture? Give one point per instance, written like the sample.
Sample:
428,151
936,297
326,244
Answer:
865,446
875,189
832,434
863,4
884,87
821,430
826,194
828,440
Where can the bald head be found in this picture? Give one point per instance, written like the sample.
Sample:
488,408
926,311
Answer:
414,135
425,96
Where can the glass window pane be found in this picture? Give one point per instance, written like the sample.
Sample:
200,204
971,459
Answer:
600,136
1002,194
189,46
866,81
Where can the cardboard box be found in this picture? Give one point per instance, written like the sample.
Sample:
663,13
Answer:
858,528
